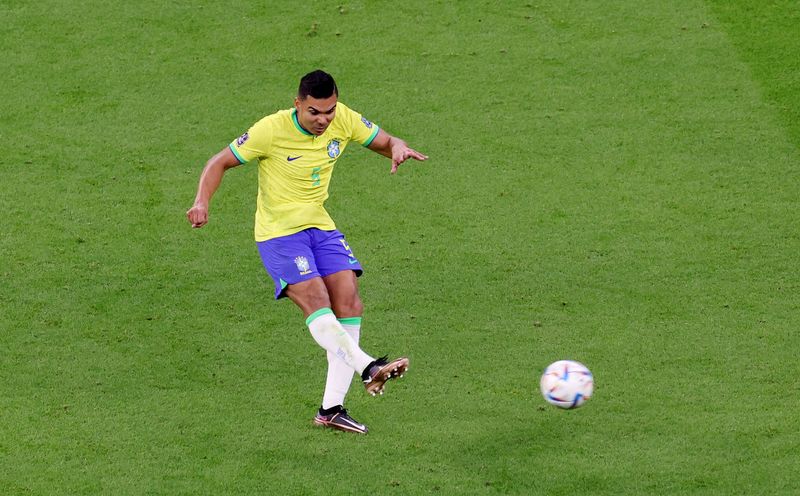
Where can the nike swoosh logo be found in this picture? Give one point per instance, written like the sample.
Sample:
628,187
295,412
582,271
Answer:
355,424
290,158
352,261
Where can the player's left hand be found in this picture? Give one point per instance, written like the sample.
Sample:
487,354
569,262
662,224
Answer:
402,153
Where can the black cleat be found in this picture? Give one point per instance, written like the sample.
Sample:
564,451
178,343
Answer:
340,420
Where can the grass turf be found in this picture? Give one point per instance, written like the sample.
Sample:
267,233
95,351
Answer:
615,184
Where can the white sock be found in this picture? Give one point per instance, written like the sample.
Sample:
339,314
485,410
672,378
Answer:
329,333
340,375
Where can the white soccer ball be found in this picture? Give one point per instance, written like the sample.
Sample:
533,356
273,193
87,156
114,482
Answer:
567,384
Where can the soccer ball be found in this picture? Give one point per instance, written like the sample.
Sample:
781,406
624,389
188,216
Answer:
567,384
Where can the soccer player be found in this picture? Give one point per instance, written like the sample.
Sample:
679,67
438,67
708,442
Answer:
307,257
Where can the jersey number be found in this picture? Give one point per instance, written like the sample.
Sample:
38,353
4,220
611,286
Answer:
315,180
347,248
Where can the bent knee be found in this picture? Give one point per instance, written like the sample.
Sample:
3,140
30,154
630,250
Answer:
350,307
309,295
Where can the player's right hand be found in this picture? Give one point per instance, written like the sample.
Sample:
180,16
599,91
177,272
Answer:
198,215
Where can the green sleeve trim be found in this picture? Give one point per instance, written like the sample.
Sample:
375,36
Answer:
350,321
319,313
372,137
238,157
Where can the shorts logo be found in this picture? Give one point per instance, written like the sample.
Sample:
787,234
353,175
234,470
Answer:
241,139
333,148
366,122
302,265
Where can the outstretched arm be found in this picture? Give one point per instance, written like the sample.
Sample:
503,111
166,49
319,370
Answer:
210,180
394,148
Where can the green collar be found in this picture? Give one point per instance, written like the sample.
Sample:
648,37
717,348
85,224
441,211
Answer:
297,124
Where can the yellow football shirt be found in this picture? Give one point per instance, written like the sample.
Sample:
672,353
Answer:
295,167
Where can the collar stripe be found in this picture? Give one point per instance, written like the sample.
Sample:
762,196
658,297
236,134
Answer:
297,123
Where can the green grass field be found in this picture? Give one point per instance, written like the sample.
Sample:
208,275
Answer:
612,182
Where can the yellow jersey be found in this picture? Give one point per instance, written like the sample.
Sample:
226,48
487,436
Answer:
295,168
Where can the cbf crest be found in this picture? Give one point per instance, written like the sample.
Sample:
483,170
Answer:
302,265
333,148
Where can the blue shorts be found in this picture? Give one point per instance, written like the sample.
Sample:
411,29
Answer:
305,255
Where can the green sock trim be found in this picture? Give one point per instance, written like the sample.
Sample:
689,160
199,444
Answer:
318,313
350,321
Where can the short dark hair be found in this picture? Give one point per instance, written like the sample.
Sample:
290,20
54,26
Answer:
318,84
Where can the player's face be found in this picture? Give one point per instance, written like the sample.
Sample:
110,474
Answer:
316,114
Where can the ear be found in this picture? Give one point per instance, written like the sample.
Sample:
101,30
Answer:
297,103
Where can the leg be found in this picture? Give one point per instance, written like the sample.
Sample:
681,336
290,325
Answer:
340,344
343,291
291,263
310,295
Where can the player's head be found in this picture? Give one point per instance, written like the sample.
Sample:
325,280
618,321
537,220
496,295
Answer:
318,84
316,101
